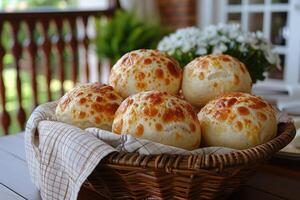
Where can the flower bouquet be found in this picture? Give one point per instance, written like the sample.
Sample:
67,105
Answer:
250,48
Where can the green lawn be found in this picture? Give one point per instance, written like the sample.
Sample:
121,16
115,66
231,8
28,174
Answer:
11,94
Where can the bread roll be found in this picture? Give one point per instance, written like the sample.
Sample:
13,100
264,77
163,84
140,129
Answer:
159,117
145,70
89,105
209,76
237,120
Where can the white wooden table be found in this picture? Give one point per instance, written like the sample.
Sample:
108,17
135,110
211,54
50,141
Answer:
276,180
15,182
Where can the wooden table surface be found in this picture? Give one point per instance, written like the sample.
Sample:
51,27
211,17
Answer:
277,179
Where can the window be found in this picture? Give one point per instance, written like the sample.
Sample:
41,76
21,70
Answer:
277,19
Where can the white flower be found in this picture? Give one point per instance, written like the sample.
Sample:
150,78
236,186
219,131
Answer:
219,37
241,39
278,62
185,39
213,41
220,48
224,39
270,56
201,51
259,34
243,48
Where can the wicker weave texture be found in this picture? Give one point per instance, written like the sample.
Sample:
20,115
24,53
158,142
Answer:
133,176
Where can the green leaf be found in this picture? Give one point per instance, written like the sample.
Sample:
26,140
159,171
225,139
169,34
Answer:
124,33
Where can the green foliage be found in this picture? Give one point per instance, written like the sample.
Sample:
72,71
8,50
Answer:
252,49
254,60
18,4
43,2
124,33
9,78
184,58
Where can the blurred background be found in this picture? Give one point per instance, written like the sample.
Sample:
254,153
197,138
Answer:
48,45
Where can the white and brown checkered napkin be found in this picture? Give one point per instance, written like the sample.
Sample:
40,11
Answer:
60,157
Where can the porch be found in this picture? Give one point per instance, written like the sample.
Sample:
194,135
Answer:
44,53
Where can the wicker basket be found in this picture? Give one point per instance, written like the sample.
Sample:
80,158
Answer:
134,176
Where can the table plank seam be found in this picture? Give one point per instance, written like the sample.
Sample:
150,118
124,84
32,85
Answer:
14,155
13,191
261,190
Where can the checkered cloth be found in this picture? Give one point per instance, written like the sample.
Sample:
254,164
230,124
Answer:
60,157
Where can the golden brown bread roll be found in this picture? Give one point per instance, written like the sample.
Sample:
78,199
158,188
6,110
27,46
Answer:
89,105
159,117
145,70
237,120
209,76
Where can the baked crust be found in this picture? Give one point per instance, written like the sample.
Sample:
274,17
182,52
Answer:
209,76
145,70
89,105
237,120
159,117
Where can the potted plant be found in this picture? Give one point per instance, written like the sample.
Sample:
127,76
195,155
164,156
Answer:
250,48
124,33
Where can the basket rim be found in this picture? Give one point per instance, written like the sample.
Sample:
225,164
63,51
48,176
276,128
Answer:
169,162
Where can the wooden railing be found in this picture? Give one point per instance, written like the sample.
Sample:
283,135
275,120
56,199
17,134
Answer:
48,36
